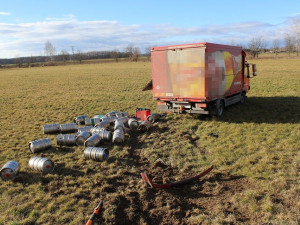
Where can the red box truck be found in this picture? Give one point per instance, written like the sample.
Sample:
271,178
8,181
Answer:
201,78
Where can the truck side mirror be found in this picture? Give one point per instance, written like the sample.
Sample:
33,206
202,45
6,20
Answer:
254,71
248,72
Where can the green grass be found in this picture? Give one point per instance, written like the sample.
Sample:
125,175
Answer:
258,141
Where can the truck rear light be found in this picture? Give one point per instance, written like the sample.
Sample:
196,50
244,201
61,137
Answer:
201,105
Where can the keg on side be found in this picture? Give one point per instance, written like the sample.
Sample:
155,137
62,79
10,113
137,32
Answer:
68,127
118,136
51,129
41,164
97,154
86,128
93,141
39,145
80,119
145,125
153,117
82,137
10,170
66,139
133,124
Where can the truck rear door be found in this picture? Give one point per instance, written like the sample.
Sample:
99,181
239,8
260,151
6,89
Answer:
178,72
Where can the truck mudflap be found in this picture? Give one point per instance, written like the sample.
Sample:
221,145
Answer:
149,181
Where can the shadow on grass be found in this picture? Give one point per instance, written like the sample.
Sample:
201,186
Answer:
61,169
264,110
63,149
28,178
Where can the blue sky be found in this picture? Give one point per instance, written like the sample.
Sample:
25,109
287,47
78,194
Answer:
25,26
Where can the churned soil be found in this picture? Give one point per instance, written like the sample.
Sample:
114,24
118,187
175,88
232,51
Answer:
138,203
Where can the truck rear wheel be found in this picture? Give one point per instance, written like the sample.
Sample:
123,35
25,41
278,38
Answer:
243,97
219,108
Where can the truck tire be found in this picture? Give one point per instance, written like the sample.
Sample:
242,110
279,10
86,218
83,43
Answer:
219,107
243,98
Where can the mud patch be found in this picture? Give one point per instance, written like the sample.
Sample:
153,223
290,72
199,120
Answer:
140,204
130,200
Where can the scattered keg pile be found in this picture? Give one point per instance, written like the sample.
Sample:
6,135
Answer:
92,133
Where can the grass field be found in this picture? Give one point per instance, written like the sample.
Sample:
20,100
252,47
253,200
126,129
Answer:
256,154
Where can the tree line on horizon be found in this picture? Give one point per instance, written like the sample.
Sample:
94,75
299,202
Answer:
131,52
256,46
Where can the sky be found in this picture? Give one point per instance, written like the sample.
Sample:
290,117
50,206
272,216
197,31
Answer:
90,25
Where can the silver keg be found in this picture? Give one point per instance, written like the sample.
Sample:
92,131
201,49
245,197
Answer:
82,137
105,135
153,117
98,116
92,121
110,114
133,123
66,139
123,119
119,124
103,124
97,154
118,136
110,119
96,130
80,119
51,129
39,145
145,125
95,121
68,127
41,164
86,128
93,141
10,170
122,114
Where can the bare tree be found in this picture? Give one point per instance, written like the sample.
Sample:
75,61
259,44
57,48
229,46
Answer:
129,51
18,61
115,54
73,51
50,50
148,53
79,56
136,54
289,43
256,46
295,27
276,46
64,55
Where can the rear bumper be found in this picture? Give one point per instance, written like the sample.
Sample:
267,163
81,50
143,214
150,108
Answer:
169,108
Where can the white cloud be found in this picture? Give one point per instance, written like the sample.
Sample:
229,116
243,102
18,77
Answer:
5,13
26,39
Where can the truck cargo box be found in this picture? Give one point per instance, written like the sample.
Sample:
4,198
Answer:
197,71
200,72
